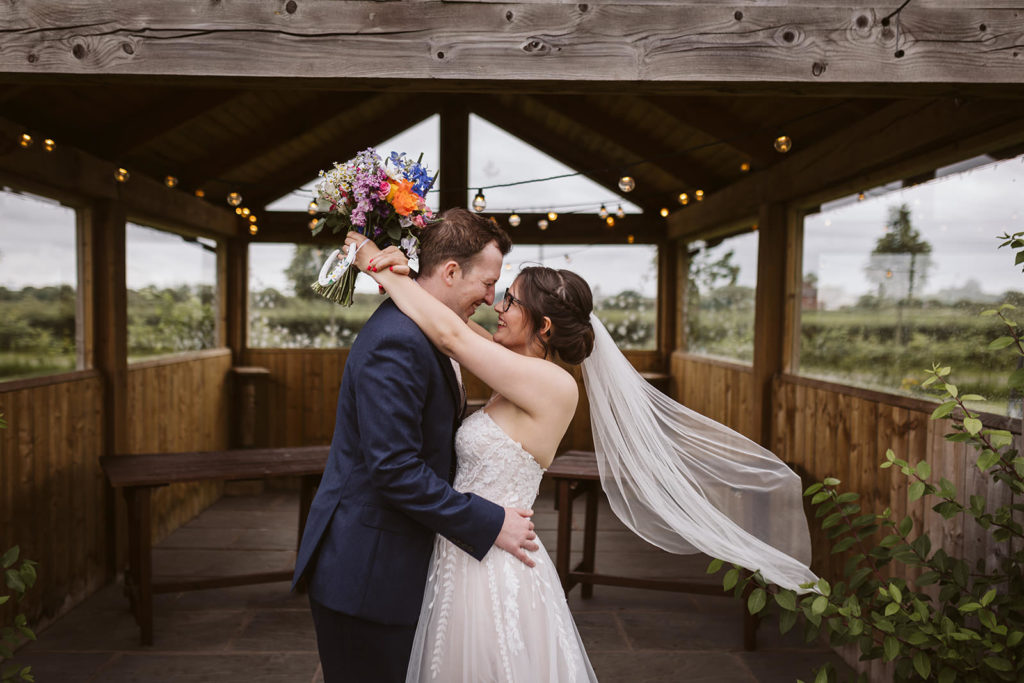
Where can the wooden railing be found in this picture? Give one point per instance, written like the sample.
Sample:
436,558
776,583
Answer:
718,389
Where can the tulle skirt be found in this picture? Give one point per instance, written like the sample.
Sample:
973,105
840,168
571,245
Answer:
495,620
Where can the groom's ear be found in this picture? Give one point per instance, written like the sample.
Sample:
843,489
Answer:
449,269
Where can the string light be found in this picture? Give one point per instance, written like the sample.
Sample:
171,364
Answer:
888,273
121,175
200,192
253,229
514,220
602,212
627,183
479,201
610,220
684,198
744,167
234,199
238,210
542,224
861,196
664,212
699,195
619,212
311,209
245,211
552,216
252,218
783,144
171,181
630,239
25,140
313,222
49,144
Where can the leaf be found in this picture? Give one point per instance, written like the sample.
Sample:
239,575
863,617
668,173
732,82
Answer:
916,490
730,579
922,665
819,605
943,371
4,598
947,675
969,607
813,488
998,663
1000,437
988,597
943,410
757,600
831,481
820,496
952,390
824,587
14,581
928,578
987,313
972,425
923,469
786,599
1016,379
715,565
822,676
786,621
1001,342
906,524
9,557
844,544
891,647
987,459
891,609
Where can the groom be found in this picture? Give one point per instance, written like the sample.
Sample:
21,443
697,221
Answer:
386,489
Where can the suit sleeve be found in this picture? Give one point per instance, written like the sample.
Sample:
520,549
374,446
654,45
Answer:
390,413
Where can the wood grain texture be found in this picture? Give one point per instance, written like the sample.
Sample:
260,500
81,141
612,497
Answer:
717,389
467,41
52,490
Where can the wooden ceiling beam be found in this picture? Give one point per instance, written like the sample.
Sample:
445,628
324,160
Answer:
546,42
555,146
157,119
904,139
680,169
340,144
719,123
280,131
292,227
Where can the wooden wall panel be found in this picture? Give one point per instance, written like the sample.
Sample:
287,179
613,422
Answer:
180,404
52,488
718,389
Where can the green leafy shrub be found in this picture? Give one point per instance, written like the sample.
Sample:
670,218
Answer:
954,621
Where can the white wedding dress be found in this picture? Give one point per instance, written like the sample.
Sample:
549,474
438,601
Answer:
495,620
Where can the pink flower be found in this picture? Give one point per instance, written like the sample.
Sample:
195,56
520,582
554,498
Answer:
419,221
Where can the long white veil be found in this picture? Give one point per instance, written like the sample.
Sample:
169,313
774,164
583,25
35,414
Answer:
688,484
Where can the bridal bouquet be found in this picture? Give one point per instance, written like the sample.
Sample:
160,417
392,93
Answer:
382,199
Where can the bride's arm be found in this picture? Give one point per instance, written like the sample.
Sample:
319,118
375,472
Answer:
514,376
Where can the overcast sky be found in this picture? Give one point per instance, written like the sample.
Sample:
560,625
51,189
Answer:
959,214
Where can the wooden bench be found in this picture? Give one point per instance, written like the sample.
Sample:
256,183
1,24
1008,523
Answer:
575,473
138,475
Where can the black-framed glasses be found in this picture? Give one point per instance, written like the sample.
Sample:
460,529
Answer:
508,300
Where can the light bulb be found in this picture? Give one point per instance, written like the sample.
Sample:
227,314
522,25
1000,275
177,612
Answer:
860,197
121,175
508,266
783,144
684,198
245,211
253,229
171,181
252,218
619,212
602,212
234,199
238,210
542,224
313,222
888,273
26,140
627,183
514,220
49,144
610,220
699,195
311,208
744,167
630,239
664,212
552,216
479,202
200,192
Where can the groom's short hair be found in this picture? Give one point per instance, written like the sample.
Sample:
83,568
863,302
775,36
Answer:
459,235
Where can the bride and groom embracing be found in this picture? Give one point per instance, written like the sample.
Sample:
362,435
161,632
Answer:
397,551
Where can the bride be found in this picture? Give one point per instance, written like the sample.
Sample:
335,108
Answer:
684,483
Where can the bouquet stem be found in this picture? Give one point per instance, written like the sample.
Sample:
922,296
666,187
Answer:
340,291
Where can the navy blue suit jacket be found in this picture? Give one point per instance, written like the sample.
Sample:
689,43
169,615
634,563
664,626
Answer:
386,487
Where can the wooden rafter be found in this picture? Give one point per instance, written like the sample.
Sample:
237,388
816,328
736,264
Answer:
531,132
338,145
280,131
158,119
719,123
439,43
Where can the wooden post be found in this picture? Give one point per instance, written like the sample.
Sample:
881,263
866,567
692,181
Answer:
683,291
233,295
774,226
103,246
454,152
668,300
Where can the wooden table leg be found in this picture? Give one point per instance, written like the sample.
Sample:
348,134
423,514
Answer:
141,559
590,537
564,533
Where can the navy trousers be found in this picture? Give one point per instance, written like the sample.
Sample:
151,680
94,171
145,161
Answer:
359,651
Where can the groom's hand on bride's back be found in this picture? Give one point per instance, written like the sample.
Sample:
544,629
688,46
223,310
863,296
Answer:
517,536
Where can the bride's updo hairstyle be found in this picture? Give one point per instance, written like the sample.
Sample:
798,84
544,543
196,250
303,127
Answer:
565,298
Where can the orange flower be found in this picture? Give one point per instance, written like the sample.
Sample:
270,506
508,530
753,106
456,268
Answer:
403,198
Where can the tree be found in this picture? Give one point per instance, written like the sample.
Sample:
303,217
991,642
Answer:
304,269
901,258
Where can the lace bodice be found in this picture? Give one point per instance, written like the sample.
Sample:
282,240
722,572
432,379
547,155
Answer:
494,466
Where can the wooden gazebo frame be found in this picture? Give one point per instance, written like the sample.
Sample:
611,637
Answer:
257,97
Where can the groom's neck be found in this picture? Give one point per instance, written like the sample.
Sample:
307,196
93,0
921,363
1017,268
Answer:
436,287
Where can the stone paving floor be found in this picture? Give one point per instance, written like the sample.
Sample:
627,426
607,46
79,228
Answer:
263,633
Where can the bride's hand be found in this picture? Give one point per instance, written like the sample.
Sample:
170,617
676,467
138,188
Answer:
365,250
391,259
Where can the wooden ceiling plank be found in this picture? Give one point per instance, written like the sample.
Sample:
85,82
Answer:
159,119
902,140
533,133
544,42
719,123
